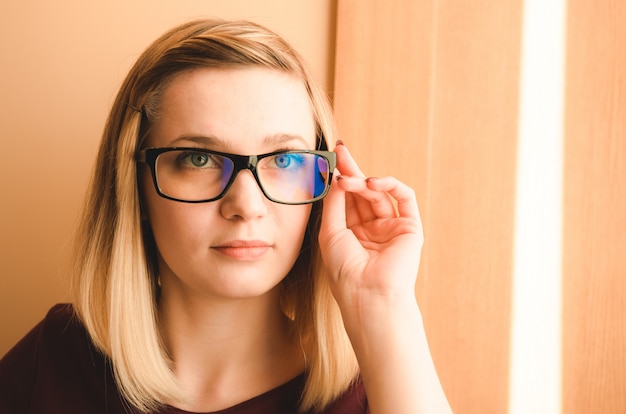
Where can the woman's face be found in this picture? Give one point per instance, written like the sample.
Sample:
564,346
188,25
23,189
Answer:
243,244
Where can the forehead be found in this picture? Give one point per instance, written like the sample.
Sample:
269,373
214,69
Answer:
239,108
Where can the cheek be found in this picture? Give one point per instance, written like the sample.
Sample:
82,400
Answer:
172,219
180,235
293,224
173,224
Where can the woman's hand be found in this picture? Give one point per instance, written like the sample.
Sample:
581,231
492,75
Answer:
371,240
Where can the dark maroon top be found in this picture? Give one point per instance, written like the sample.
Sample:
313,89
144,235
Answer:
55,368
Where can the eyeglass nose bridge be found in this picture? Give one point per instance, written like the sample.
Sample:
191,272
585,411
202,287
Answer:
240,163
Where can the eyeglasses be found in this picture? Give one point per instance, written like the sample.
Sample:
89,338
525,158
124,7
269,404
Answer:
195,175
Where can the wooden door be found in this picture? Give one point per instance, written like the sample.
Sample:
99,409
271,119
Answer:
432,91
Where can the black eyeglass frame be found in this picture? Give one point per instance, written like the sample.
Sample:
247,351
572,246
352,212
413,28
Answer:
149,156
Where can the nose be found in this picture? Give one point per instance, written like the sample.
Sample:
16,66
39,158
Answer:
244,199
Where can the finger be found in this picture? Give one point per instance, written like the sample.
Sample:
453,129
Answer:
356,212
372,203
346,163
337,243
358,208
333,213
402,193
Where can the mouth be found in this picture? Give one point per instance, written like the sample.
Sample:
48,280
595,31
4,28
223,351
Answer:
243,249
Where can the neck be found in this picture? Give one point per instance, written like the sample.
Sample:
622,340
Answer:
226,351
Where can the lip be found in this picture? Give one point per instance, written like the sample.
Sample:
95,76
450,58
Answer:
243,249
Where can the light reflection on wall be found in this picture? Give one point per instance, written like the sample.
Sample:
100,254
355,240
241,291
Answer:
535,376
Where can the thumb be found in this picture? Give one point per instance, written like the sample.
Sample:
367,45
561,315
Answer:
333,216
339,247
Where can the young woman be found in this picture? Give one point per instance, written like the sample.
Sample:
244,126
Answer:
210,276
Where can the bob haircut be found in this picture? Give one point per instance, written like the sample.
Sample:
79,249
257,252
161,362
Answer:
114,285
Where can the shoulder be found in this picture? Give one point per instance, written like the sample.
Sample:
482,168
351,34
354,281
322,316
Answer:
352,401
19,366
56,331
54,367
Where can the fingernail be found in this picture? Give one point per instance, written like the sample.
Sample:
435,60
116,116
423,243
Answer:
339,177
370,179
340,142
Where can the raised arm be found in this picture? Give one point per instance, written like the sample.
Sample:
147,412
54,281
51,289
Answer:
371,249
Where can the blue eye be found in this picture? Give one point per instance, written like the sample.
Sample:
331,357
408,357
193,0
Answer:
283,161
286,160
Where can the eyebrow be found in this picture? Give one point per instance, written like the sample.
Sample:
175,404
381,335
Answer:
209,141
282,139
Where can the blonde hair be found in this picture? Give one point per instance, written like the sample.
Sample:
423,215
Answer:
114,285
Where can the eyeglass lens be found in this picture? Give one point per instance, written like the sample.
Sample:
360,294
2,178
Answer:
290,177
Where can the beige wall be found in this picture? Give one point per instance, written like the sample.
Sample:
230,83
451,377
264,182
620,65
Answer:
594,263
61,64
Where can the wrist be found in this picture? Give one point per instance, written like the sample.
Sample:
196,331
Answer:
381,322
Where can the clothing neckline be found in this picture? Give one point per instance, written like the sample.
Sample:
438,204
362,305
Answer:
296,383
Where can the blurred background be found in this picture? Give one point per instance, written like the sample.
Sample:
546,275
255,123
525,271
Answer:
507,118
